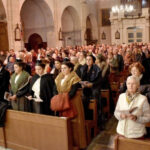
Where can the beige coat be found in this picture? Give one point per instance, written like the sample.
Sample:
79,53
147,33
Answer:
129,128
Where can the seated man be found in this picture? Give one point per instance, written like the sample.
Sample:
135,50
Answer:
132,111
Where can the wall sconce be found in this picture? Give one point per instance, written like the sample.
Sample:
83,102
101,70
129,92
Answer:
17,33
103,36
60,35
117,35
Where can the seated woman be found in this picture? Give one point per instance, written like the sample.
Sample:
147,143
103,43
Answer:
132,111
136,69
68,81
19,87
42,87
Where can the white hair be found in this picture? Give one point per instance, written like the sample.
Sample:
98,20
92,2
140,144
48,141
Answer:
136,79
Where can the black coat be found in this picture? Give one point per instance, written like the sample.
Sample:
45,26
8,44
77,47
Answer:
93,76
47,90
4,82
4,105
120,62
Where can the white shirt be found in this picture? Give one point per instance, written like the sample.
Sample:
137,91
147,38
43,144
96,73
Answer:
17,77
36,88
63,80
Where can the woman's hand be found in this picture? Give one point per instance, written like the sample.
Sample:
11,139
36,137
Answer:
29,97
123,116
132,117
13,98
89,85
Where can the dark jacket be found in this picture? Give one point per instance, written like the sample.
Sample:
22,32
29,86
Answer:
120,62
4,82
4,105
93,76
47,90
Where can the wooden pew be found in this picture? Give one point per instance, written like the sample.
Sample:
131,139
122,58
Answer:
148,125
122,143
28,131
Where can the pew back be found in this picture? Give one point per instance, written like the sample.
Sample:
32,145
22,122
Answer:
28,131
122,143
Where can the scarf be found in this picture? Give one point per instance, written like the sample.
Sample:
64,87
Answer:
130,98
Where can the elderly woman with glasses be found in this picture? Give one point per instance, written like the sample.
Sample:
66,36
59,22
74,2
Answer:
132,111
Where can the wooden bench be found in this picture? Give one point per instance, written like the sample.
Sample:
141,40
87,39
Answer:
28,131
105,93
92,123
148,125
122,143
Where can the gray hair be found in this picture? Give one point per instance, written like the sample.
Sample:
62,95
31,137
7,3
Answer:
136,79
74,59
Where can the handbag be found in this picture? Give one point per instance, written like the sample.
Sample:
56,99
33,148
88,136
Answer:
70,113
60,102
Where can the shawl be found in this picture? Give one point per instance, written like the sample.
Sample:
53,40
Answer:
21,82
69,81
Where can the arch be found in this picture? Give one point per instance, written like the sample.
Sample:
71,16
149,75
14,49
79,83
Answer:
36,17
71,27
35,42
88,32
3,29
2,11
94,26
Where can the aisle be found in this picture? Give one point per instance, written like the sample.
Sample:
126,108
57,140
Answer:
105,140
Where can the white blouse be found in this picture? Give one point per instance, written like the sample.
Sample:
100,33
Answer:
36,88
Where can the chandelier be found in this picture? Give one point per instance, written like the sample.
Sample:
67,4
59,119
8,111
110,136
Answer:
122,8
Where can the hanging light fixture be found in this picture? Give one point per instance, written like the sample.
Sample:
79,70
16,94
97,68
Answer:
122,8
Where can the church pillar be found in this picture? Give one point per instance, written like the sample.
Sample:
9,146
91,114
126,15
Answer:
83,22
13,18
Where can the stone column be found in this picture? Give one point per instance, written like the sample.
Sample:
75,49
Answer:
146,14
83,21
13,18
57,24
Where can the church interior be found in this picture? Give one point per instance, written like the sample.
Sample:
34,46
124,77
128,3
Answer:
74,74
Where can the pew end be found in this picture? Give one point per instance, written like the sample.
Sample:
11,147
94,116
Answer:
28,131
122,143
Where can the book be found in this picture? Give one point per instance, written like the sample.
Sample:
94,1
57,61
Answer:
35,99
129,111
7,95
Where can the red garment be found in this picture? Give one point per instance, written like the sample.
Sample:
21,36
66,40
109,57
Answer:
62,104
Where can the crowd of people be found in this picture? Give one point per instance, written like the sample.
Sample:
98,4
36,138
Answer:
34,77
